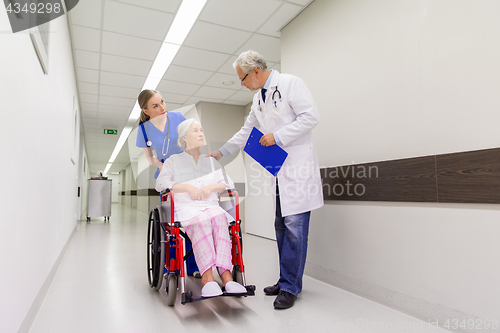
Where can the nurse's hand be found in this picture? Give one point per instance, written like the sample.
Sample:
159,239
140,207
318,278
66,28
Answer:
216,154
267,140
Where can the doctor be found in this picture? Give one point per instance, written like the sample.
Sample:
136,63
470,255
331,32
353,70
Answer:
284,109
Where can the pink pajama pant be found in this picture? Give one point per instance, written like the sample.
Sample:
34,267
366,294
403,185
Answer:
209,235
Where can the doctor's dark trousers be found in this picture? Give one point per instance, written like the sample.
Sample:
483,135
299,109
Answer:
291,234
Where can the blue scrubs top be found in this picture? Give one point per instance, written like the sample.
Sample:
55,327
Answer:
157,137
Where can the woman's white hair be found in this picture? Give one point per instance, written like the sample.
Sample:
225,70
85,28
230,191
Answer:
249,60
182,130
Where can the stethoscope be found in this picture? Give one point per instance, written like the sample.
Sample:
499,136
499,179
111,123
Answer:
166,139
273,98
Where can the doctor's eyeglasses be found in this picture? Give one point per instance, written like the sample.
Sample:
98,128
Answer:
243,79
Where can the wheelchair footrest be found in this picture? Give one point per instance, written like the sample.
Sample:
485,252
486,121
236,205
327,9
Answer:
187,297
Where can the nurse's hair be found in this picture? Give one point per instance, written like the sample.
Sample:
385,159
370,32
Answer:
143,100
249,60
183,129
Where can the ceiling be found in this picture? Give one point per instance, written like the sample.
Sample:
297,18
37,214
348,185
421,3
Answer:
115,43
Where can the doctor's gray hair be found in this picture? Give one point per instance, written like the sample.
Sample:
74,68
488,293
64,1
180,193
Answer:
183,129
249,60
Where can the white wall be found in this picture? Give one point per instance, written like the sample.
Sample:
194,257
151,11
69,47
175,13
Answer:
396,79
85,175
39,186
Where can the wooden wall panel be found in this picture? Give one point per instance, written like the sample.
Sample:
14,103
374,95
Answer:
469,177
411,179
465,177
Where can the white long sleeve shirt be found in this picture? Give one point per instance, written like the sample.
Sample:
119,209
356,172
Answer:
182,169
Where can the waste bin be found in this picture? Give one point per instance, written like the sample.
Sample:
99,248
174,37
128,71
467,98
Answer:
99,198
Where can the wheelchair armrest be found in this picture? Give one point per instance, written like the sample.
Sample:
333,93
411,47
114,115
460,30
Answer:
165,191
228,191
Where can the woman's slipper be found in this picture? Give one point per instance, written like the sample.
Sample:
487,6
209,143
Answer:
235,288
211,289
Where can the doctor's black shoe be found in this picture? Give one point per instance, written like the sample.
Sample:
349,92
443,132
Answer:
272,290
284,300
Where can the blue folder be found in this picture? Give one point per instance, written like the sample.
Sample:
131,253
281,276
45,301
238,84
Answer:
271,157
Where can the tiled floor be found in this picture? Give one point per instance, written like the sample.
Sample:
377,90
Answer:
101,286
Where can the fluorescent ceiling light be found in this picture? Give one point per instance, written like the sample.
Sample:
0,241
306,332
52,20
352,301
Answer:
182,24
135,114
123,137
107,168
184,20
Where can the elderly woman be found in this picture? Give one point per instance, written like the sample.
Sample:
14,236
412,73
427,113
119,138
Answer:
196,180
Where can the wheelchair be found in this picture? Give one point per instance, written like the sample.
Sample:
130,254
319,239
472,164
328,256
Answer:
164,233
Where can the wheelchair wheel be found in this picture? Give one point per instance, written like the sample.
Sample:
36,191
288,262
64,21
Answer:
171,289
237,274
155,251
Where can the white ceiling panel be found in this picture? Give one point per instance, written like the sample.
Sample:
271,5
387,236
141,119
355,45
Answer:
88,88
122,80
214,37
88,115
114,108
242,96
118,91
279,19
118,101
85,59
192,100
88,98
218,78
177,87
87,13
239,14
123,65
201,59
128,46
89,106
188,75
302,2
172,106
88,39
170,6
136,21
87,75
268,46
235,103
174,98
89,121
227,68
211,92
196,100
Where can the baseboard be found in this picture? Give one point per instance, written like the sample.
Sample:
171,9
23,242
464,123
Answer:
37,302
415,307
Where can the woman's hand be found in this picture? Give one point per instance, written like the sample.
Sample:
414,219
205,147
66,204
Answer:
195,193
206,191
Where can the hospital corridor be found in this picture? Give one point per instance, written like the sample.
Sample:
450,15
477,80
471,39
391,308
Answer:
250,166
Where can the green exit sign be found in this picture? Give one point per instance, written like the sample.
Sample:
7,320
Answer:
110,131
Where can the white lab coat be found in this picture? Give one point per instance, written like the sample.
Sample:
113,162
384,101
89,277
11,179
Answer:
292,118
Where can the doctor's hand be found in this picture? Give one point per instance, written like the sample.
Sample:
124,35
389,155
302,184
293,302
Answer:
216,154
267,140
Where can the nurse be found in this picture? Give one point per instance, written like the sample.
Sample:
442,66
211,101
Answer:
284,109
158,131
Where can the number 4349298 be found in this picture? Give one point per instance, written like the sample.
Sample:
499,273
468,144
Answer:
38,8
